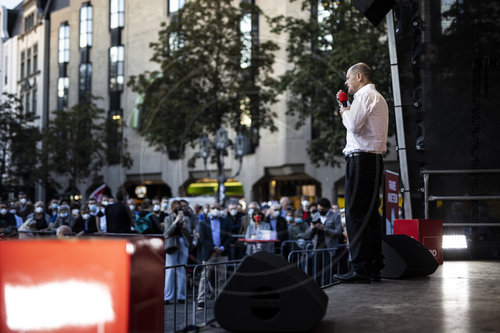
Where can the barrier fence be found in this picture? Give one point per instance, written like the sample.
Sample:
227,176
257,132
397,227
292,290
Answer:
320,263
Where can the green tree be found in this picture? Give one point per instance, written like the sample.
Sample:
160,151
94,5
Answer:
75,143
19,153
207,78
320,50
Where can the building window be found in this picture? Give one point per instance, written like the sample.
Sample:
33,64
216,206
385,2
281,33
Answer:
64,43
175,5
22,64
28,100
34,99
29,22
35,58
116,76
86,25
116,13
62,93
85,80
28,63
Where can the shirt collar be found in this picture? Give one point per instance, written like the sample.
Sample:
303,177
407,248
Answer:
364,88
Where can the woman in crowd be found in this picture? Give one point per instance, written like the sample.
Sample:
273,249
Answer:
256,224
177,239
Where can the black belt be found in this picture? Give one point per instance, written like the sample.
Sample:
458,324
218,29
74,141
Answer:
352,155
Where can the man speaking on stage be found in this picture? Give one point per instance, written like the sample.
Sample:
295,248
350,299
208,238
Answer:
366,122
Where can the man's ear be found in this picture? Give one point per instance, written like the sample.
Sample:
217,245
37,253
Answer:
359,76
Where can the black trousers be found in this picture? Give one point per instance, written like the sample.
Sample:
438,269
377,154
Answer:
362,181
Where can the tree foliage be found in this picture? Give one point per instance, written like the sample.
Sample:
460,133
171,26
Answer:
319,54
75,143
19,153
200,84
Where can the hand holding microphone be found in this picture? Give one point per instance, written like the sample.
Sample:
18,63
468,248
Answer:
342,99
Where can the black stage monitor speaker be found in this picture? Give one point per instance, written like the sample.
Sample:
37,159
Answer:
374,10
268,294
405,257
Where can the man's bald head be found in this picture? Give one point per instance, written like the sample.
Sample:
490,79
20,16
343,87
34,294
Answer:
357,77
362,68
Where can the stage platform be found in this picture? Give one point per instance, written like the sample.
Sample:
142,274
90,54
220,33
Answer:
461,296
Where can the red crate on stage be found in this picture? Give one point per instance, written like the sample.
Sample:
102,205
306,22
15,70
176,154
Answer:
427,232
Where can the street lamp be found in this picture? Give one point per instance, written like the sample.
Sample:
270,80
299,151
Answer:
221,143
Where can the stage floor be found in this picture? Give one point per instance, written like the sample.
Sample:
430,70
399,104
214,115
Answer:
461,296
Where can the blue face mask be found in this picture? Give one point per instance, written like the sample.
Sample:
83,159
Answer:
289,218
298,220
55,206
92,207
64,215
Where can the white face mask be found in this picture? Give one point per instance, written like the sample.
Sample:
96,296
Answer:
132,207
233,212
86,216
205,210
75,212
3,211
105,203
164,205
214,212
23,201
38,210
305,204
92,207
12,211
251,211
222,212
156,208
276,213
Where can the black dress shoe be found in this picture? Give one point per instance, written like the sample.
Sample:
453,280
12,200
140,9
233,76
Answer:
375,277
352,277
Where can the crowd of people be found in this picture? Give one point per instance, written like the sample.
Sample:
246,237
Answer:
192,233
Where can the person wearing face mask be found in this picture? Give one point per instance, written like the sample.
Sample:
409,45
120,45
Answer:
177,236
257,223
164,208
19,220
52,209
297,227
6,218
245,219
64,218
42,219
325,230
146,222
132,206
215,238
278,224
85,223
234,221
305,211
24,207
156,207
102,223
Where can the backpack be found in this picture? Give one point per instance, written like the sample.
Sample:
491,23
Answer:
143,223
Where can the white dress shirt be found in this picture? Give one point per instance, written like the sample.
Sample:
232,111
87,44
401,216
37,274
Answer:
366,122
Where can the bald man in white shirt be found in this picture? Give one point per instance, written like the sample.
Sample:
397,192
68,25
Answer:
366,122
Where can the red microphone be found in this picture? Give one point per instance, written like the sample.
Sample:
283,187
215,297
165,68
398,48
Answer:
343,99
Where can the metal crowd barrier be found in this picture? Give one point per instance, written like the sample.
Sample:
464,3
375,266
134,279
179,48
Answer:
296,245
321,263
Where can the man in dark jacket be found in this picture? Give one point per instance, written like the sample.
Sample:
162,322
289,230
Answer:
118,215
234,221
278,224
215,238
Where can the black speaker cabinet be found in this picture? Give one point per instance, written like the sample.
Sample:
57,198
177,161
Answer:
405,257
374,10
268,294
